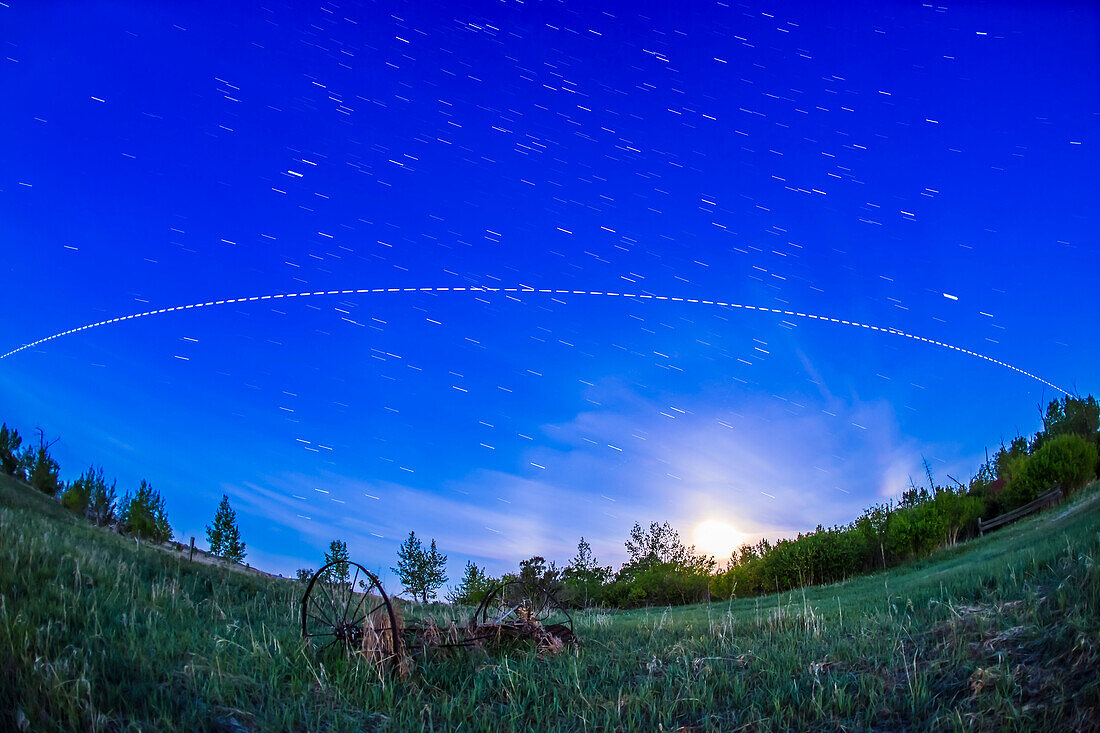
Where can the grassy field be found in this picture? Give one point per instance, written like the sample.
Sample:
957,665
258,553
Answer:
1002,633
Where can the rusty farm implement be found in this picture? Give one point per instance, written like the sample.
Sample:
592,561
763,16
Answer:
346,609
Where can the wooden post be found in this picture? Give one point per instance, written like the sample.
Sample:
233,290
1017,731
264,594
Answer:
192,558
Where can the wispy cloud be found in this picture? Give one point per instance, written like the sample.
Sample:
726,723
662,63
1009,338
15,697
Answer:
770,468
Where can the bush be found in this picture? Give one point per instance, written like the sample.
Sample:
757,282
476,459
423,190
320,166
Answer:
660,584
143,514
89,496
1067,460
76,497
473,586
1070,415
960,511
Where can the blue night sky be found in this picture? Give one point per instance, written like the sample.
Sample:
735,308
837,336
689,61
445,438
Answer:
919,167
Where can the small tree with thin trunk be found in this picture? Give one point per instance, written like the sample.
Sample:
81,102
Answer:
223,535
422,573
410,565
435,567
337,553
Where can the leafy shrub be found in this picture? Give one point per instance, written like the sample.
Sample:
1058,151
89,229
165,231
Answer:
1070,415
91,497
1067,460
473,586
960,512
583,579
76,497
659,584
143,514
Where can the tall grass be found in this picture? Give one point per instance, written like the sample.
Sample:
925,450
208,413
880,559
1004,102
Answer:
97,633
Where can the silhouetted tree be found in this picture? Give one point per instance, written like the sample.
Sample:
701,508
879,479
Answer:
223,535
660,543
337,553
536,571
10,461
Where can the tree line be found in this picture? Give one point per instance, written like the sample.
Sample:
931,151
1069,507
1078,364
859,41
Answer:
140,513
661,570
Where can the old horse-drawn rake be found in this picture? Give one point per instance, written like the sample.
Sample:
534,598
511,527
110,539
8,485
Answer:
346,608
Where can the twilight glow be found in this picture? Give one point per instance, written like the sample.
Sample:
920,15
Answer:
512,275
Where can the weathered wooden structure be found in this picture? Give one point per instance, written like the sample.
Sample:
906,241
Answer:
1051,497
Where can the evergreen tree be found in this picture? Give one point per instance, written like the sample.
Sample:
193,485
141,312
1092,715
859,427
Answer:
410,565
223,535
472,588
102,505
143,514
10,441
26,463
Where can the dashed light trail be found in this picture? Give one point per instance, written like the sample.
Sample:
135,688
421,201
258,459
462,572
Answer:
550,291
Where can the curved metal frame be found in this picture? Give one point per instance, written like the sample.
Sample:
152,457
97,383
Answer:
345,627
337,612
528,590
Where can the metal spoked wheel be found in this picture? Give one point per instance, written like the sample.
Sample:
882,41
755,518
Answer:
342,601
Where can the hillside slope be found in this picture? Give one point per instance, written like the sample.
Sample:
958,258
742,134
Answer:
97,633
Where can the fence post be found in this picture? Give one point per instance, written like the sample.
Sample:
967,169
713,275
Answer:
192,558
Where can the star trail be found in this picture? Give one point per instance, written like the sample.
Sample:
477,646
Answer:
511,273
